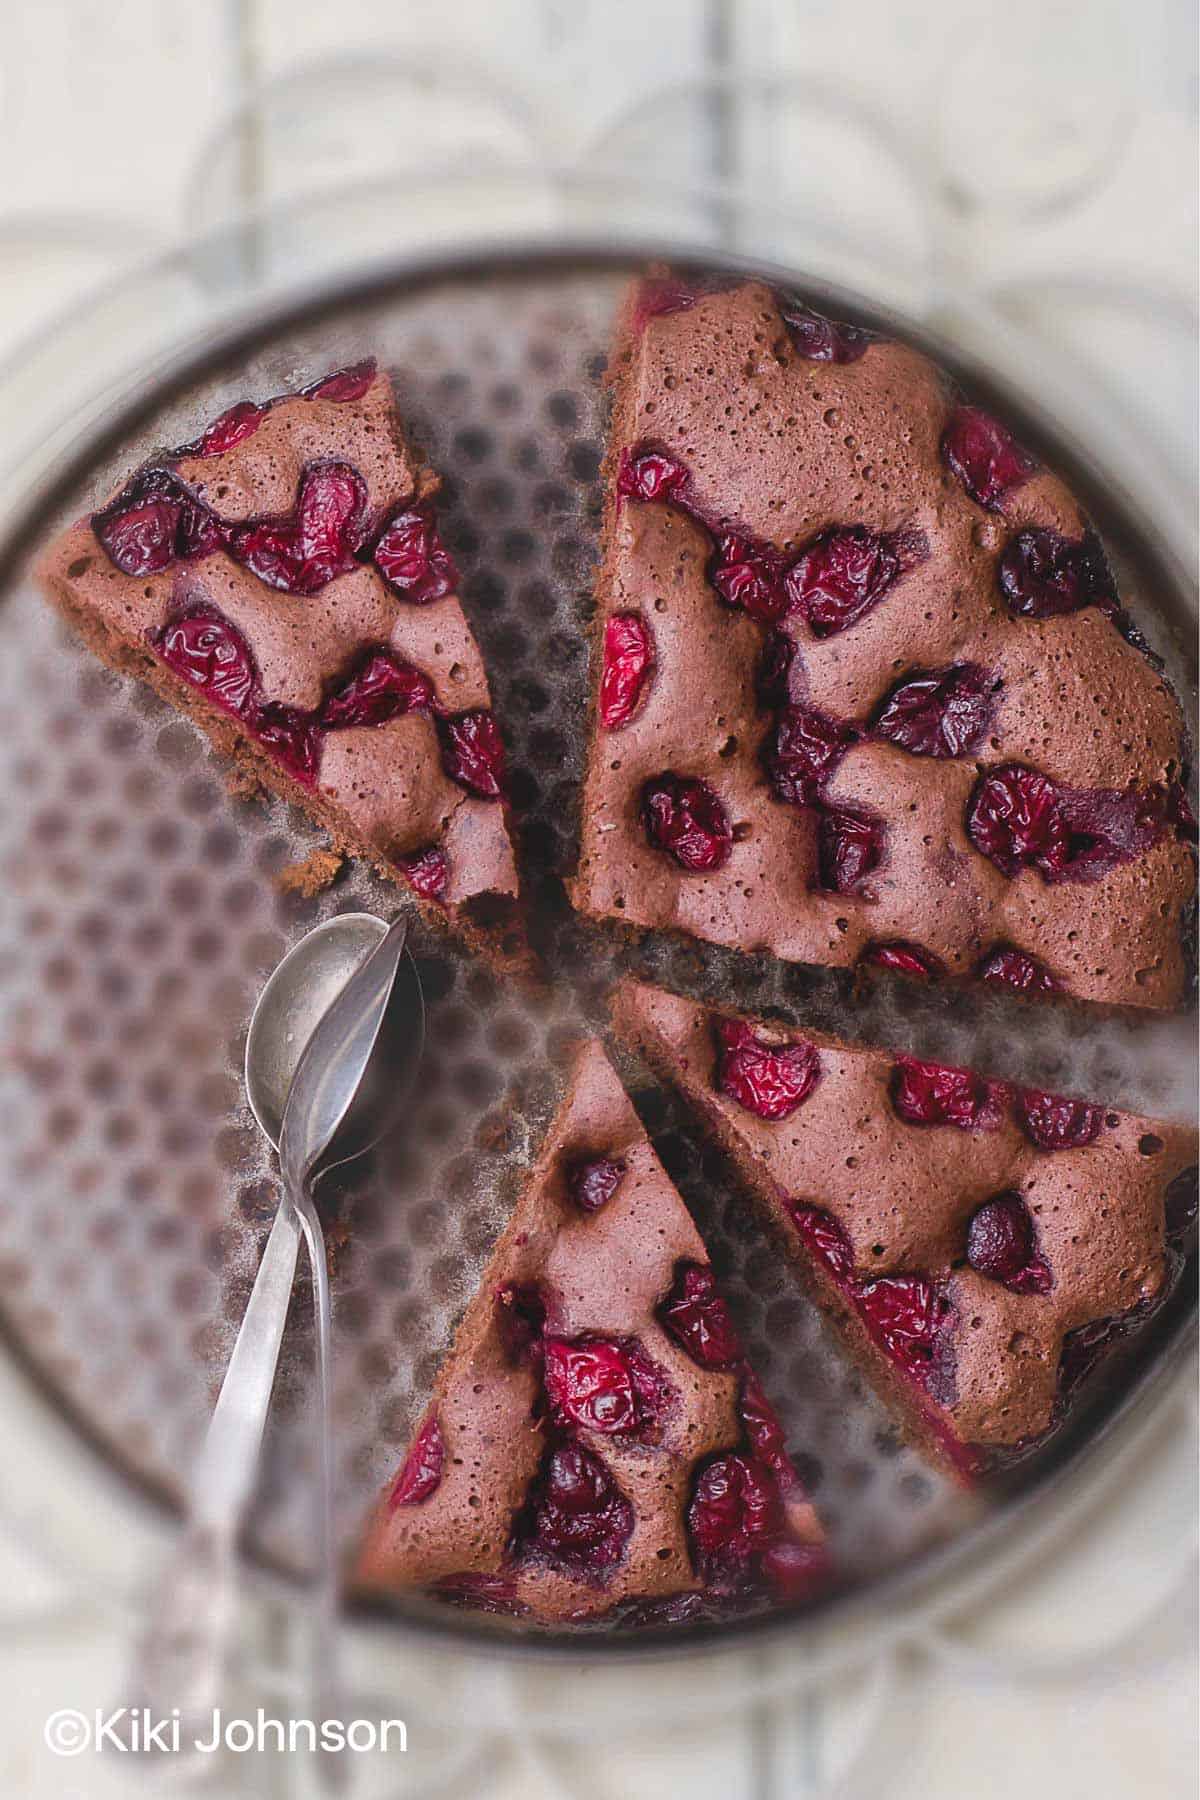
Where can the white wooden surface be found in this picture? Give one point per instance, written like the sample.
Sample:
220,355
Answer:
936,152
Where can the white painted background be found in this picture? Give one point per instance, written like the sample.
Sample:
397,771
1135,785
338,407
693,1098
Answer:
1019,173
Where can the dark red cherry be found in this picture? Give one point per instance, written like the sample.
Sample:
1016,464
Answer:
769,1080
764,1433
1054,1122
796,1570
825,1238
153,521
210,653
473,752
650,475
1014,818
945,712
849,848
771,683
383,687
903,959
1007,967
818,339
733,1517
661,295
427,872
1042,574
344,384
926,1093
628,663
592,1184
986,458
749,576
1002,1246
421,1474
683,816
233,427
802,752
302,552
576,1519
412,558
908,1315
696,1314
1106,827
845,572
601,1384
293,738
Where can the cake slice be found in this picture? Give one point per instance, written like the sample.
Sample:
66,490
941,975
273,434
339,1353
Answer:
282,580
863,687
979,1244
597,1443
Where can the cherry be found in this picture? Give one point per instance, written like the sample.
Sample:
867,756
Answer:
576,1518
795,1569
592,1184
239,422
903,958
427,872
421,1474
153,521
1041,574
383,687
651,475
293,737
941,713
764,1433
845,572
1014,818
1001,1245
662,295
802,752
344,384
749,576
826,1239
849,848
769,1080
908,1314
774,667
307,548
603,1384
520,1320
734,1515
986,457
628,664
1107,827
1053,1122
926,1093
1006,967
683,816
818,339
473,752
412,558
697,1316
210,653
483,1593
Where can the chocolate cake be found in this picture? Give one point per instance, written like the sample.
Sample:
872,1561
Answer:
864,689
597,1445
979,1244
282,580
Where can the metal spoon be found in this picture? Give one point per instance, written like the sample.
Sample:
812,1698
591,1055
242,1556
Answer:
315,1028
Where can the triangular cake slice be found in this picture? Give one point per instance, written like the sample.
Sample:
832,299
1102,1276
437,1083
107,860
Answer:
863,687
979,1244
597,1444
282,580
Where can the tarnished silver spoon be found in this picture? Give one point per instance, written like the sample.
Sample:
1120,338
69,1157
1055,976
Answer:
309,1051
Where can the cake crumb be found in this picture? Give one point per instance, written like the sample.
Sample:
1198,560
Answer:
318,870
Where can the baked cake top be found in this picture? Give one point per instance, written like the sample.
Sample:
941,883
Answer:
596,1438
981,1229
862,676
284,574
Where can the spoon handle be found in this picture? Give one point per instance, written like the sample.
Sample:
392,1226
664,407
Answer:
183,1655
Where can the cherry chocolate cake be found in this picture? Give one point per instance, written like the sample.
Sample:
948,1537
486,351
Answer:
282,580
979,1244
597,1447
864,688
